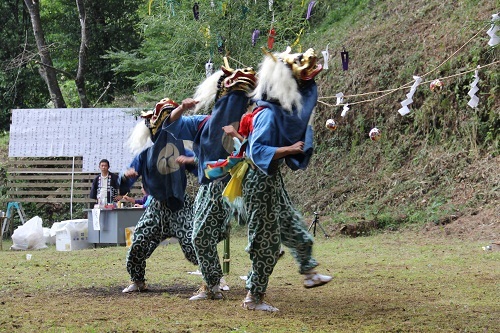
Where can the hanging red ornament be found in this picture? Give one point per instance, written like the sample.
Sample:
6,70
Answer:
331,124
270,39
375,134
436,86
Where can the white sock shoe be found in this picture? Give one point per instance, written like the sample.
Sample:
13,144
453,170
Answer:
136,286
206,293
252,302
313,279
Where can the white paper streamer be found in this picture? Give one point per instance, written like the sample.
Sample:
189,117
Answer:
409,97
209,68
492,32
326,56
474,100
340,98
96,216
344,111
270,5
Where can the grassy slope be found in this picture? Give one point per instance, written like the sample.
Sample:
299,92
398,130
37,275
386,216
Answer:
436,161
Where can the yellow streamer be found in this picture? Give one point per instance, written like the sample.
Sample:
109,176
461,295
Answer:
298,37
233,188
149,6
206,34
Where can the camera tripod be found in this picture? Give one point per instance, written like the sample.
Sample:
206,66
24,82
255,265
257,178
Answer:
316,222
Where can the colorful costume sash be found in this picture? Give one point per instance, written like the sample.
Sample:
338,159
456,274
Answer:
291,127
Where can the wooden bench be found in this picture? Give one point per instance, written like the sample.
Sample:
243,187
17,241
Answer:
52,180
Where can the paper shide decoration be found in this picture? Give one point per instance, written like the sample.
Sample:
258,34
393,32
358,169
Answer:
340,98
344,110
409,97
492,32
209,68
326,56
474,100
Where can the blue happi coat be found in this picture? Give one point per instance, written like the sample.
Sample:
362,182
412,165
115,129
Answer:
210,143
274,127
163,178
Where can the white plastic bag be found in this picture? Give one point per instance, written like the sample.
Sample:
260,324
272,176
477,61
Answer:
29,236
49,239
69,226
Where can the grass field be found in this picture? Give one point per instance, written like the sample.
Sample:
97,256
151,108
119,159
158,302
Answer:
391,282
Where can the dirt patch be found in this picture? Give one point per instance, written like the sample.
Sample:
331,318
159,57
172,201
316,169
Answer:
483,225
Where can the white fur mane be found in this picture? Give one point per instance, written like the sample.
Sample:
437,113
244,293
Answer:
139,138
276,82
206,91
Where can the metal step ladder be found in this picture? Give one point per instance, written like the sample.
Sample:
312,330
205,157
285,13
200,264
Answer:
9,215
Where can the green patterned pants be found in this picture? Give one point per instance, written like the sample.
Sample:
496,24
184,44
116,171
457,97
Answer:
211,224
157,224
272,219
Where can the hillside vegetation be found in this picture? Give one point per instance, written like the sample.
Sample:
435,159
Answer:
434,165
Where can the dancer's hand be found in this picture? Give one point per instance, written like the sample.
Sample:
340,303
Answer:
231,131
186,104
296,148
131,173
182,160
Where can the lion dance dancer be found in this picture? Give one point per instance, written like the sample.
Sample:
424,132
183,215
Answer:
170,212
286,96
229,89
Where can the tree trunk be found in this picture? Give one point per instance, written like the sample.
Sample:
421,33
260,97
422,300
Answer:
82,56
47,70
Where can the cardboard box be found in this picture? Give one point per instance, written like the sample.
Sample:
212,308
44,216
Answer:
72,235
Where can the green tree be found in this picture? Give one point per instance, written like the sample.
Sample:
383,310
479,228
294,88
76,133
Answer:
47,69
110,25
20,83
176,46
